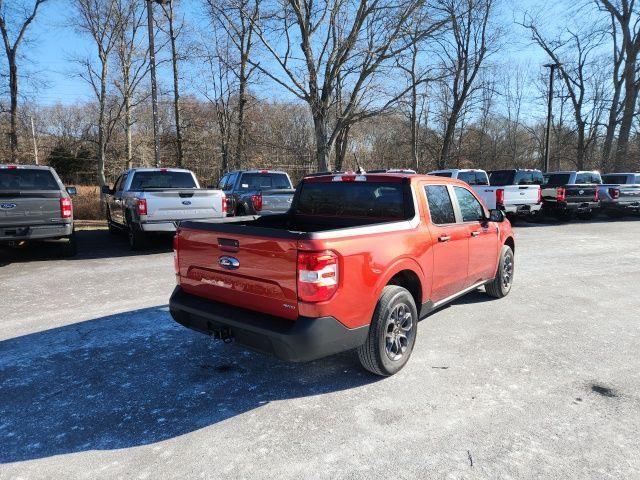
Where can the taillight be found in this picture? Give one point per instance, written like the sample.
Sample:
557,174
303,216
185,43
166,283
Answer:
224,205
500,196
539,195
142,206
257,202
561,194
176,265
596,197
66,208
12,167
614,193
317,276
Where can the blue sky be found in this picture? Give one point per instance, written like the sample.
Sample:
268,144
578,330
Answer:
54,43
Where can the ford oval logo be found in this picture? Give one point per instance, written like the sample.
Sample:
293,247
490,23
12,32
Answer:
186,202
230,263
7,206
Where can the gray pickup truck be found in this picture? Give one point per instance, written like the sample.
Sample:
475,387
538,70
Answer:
257,192
569,194
620,194
34,205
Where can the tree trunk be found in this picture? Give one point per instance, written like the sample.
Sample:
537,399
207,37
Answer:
341,144
242,101
102,147
414,124
176,90
127,126
580,153
13,122
322,147
630,98
447,141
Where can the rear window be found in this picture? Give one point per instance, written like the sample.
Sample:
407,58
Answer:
160,179
556,179
442,174
264,181
587,178
354,199
614,179
27,179
473,178
529,178
500,178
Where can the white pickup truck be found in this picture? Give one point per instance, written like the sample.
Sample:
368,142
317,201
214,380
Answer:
516,192
145,200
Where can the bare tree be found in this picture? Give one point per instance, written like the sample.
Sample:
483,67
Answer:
572,53
169,12
16,20
625,14
132,54
237,19
309,56
100,20
464,51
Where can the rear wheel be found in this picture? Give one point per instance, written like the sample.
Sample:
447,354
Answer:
241,212
70,247
614,214
500,286
585,215
563,215
137,238
392,333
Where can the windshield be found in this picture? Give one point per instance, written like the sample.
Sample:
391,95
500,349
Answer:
500,178
162,179
264,181
27,179
556,179
614,179
353,199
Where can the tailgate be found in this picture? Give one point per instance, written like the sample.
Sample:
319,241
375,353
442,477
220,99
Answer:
581,193
243,270
277,200
629,193
183,204
521,194
29,208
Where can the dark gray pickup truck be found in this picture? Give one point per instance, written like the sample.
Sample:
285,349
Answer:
34,205
620,194
565,194
257,192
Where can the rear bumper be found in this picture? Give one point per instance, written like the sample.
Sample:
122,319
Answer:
572,207
301,340
523,210
622,206
169,226
35,232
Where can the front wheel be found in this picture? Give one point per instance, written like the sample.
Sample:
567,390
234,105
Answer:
392,333
500,286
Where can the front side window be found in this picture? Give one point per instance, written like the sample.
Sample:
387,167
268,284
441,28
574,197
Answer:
440,206
222,184
121,182
470,207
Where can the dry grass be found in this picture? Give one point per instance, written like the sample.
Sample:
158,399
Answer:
86,205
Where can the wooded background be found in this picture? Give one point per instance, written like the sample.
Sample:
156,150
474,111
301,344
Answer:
313,85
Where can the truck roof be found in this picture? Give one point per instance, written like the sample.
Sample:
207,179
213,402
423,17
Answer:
452,170
158,169
569,172
380,177
8,166
257,170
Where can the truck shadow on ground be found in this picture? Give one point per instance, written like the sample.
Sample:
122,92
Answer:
138,378
92,244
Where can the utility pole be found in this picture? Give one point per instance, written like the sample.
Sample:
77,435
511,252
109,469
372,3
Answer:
552,68
35,142
154,84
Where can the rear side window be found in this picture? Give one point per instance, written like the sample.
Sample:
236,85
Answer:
264,181
353,199
440,206
27,179
470,207
162,179
556,179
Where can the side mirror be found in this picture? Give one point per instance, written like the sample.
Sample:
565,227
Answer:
72,191
496,216
106,190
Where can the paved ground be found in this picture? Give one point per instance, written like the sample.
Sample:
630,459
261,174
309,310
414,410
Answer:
96,381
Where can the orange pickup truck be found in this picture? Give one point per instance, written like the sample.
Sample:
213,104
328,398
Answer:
354,264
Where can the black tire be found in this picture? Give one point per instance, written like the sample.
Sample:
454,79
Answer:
500,286
392,333
585,215
137,238
70,246
240,211
614,214
563,215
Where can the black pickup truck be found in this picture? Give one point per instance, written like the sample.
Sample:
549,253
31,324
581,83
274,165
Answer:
257,192
565,194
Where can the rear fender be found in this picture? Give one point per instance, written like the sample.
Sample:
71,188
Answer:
404,263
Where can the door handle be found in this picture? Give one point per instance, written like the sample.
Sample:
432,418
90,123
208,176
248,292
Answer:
444,238
475,234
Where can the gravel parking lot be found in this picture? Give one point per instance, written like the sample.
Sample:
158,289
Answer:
97,381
